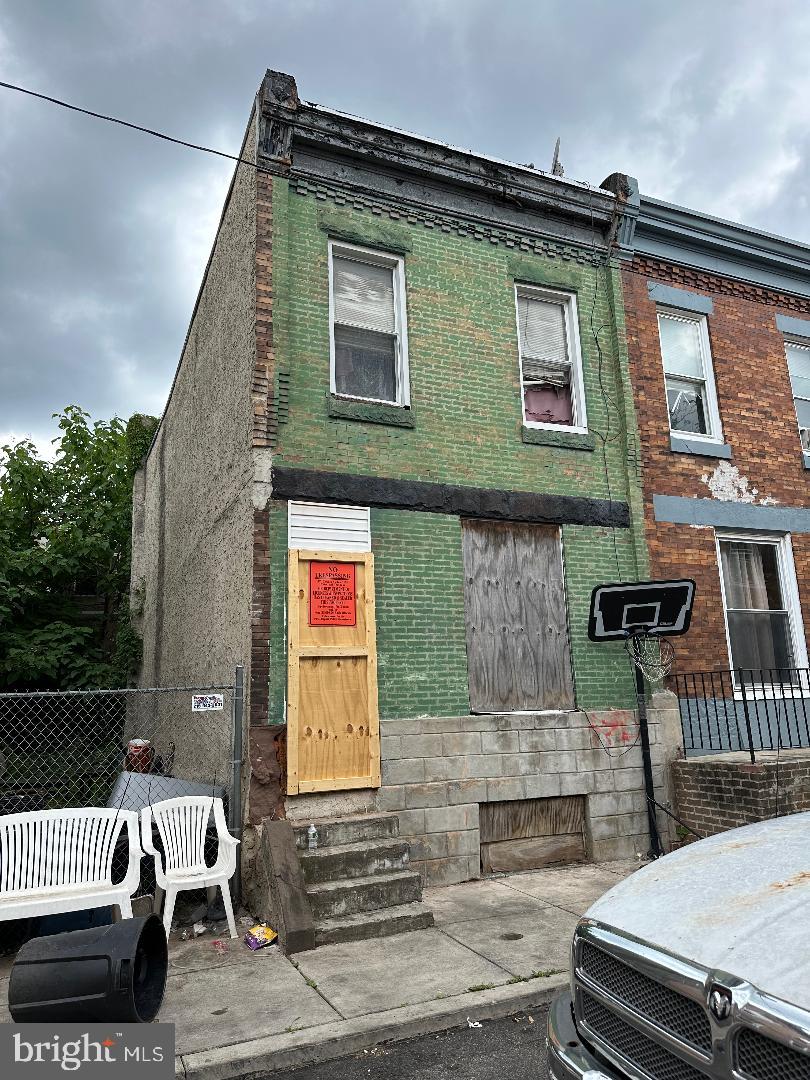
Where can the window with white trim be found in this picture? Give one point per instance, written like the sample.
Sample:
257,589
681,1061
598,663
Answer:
550,359
798,358
761,606
688,375
369,346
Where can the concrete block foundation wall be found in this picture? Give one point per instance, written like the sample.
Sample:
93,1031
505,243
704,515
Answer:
437,771
725,791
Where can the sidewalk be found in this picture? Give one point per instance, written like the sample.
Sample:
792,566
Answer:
499,945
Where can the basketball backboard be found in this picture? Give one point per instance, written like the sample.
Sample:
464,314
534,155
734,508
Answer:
655,607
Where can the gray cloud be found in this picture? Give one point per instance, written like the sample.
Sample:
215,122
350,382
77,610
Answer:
104,233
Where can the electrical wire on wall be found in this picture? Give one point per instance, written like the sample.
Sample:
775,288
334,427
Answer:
603,262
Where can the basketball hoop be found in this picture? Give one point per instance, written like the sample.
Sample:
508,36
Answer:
644,615
652,654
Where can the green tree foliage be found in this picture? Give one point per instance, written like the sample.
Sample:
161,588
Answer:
65,556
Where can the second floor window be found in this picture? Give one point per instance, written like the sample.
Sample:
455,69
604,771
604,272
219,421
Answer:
798,357
369,343
691,397
550,361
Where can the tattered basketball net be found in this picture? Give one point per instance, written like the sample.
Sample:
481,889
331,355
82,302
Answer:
652,655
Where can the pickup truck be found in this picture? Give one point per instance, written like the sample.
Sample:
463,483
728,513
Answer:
697,965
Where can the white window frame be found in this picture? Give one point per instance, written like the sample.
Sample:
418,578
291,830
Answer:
790,593
715,432
397,264
568,302
799,343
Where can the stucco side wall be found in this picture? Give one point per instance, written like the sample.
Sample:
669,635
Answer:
193,514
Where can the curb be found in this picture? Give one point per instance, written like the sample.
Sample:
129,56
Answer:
340,1038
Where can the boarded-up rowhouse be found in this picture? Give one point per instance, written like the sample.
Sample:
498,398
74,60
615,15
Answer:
399,452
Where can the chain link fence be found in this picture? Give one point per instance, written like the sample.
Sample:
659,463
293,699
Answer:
124,749
118,748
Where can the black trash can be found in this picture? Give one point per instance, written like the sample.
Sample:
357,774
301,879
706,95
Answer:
113,972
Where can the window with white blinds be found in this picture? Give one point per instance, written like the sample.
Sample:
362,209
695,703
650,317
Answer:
369,343
550,359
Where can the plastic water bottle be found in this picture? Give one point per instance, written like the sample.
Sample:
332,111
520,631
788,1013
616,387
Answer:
312,838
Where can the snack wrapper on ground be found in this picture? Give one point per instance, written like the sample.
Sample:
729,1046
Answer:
259,937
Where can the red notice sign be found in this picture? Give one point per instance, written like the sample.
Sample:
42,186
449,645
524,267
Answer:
331,594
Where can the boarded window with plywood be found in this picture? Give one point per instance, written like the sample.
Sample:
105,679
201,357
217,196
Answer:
518,655
528,834
333,730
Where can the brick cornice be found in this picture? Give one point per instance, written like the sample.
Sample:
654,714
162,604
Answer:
716,284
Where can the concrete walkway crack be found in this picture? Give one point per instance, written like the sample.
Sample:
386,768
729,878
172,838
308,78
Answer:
475,952
314,986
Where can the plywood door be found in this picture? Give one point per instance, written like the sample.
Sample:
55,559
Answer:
517,634
532,833
333,730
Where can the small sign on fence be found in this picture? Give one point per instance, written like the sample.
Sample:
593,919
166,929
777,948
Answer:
207,702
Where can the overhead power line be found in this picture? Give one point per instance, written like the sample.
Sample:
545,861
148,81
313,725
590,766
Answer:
134,127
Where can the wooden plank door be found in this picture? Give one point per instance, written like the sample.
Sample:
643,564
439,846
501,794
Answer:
333,728
518,655
528,834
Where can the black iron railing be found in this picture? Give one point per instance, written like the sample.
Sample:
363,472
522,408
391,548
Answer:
746,709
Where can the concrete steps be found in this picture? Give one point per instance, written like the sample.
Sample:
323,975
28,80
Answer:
332,899
382,923
358,879
353,860
351,830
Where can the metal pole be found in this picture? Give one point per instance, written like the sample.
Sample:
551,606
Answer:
748,719
655,842
236,763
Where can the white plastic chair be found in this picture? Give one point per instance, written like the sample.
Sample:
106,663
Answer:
53,861
182,825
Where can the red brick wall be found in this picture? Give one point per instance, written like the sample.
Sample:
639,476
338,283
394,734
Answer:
758,420
713,795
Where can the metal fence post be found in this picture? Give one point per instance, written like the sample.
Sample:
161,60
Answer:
236,782
747,719
649,788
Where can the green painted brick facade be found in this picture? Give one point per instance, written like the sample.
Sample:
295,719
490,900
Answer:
467,430
421,648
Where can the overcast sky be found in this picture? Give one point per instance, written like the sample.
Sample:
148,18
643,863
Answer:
104,232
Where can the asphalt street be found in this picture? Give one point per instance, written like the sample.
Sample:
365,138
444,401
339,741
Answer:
513,1047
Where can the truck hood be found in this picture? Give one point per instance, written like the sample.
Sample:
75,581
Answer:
739,901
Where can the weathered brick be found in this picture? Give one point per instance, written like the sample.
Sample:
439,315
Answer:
443,818
461,742
421,745
403,771
499,742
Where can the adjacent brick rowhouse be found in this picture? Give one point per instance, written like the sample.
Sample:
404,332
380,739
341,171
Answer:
759,423
714,794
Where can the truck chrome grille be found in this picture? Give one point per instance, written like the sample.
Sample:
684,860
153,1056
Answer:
683,1018
761,1058
632,1044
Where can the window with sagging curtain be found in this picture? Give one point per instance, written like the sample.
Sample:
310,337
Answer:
550,362
756,596
369,347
